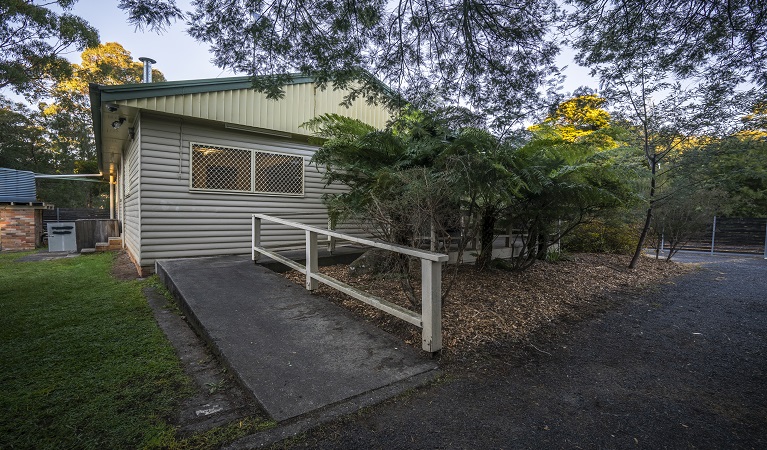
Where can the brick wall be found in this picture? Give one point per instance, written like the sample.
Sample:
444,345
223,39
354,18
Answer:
17,228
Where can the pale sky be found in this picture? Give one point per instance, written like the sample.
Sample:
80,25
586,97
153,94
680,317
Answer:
178,55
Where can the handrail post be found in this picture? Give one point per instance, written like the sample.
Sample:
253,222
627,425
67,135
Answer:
255,238
431,305
430,319
311,259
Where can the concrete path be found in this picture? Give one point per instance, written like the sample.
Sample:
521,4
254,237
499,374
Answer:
296,352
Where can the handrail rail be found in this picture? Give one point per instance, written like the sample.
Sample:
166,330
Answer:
430,319
423,254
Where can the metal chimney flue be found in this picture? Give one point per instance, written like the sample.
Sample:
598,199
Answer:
147,68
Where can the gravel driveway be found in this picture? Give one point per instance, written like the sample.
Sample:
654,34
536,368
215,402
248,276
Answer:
682,366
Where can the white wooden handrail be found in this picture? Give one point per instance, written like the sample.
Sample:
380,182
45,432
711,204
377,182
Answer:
430,319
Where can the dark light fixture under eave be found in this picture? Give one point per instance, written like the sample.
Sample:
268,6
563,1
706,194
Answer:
118,123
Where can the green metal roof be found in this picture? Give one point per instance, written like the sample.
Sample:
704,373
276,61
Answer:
100,94
144,90
105,93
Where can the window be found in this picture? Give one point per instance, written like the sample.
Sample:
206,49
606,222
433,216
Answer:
243,170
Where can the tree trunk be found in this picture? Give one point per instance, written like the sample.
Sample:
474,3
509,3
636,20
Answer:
640,244
543,246
486,239
648,219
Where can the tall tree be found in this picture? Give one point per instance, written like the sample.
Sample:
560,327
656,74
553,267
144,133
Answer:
23,139
67,118
33,39
68,112
491,56
673,68
717,40
577,166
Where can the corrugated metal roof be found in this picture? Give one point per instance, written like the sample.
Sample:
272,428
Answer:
17,186
230,101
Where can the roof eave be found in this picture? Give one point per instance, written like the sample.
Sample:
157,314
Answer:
95,97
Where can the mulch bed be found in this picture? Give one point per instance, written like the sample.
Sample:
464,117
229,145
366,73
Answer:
487,313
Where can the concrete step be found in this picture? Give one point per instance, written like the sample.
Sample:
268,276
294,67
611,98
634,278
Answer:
115,243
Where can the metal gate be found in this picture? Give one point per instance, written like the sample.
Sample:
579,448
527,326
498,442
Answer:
731,235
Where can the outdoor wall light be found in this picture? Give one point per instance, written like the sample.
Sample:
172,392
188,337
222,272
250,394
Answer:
118,123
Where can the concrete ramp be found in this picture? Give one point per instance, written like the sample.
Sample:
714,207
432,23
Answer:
296,352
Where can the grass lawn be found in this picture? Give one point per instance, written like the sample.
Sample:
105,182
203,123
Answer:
82,362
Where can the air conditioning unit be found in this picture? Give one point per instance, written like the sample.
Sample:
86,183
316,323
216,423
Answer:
62,237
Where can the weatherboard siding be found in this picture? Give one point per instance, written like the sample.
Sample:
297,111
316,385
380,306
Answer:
177,222
131,200
247,107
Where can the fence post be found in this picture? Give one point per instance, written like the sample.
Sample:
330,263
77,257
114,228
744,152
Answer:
713,234
255,238
311,259
765,241
431,305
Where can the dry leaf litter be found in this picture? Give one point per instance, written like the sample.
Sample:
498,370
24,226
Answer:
487,312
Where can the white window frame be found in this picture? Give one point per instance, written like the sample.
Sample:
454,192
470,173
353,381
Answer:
253,152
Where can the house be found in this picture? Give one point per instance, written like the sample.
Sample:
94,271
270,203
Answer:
190,161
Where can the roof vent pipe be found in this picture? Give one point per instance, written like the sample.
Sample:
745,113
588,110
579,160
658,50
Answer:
147,68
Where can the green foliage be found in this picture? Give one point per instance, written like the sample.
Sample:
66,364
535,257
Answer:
494,57
684,217
718,39
420,174
737,166
213,438
84,363
381,168
578,117
733,167
58,137
68,114
484,171
151,14
602,236
23,138
32,39
578,166
677,71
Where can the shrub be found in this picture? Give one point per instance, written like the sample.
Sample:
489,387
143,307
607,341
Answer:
600,236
